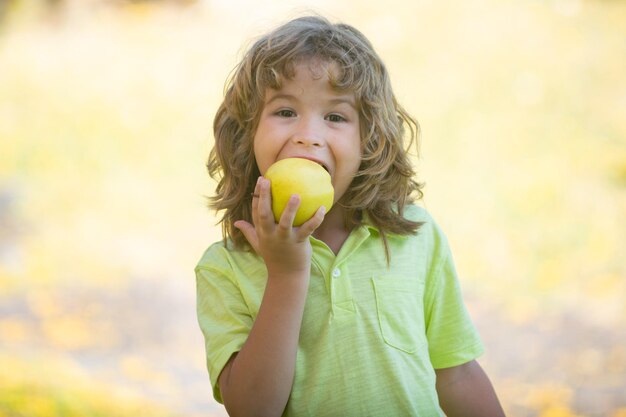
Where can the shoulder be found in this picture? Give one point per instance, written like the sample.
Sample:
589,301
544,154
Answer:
214,255
223,255
429,244
429,227
237,277
417,214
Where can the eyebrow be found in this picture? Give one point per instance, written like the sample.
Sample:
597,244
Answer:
280,96
337,100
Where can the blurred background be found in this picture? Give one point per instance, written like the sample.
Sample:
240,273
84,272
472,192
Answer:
106,111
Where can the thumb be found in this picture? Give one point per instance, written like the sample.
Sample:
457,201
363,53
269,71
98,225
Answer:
249,233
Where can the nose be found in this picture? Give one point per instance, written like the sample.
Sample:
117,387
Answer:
308,133
307,140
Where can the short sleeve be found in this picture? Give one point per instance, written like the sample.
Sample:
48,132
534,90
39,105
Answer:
452,337
223,317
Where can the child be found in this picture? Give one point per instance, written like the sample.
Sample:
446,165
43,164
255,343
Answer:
358,311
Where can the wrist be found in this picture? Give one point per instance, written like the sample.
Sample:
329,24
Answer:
294,277
289,270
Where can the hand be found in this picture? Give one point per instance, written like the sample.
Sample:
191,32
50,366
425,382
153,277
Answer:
284,248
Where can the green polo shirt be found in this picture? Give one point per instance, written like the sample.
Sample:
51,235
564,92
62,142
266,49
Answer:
371,335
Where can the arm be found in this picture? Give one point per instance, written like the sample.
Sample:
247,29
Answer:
465,391
258,379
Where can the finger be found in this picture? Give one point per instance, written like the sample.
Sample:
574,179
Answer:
264,208
255,201
289,214
249,232
307,228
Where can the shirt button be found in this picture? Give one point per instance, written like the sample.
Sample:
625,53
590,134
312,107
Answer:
336,273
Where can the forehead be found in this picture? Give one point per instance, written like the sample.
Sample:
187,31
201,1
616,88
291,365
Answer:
311,75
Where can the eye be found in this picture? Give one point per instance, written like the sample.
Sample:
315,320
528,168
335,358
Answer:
335,118
286,113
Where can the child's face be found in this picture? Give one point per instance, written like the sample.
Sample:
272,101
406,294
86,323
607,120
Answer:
307,118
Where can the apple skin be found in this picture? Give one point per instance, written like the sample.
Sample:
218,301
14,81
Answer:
303,177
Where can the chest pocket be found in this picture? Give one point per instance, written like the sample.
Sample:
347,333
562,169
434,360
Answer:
400,311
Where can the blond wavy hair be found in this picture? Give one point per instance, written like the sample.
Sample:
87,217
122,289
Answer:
384,183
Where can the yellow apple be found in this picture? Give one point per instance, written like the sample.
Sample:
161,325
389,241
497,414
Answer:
299,176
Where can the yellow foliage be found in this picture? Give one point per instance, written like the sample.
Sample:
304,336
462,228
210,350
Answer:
68,332
621,412
551,274
43,303
139,369
26,390
606,284
523,310
558,411
15,331
549,395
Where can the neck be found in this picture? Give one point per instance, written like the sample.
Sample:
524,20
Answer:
333,230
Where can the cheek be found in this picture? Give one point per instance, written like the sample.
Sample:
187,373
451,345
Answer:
264,154
260,160
258,155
